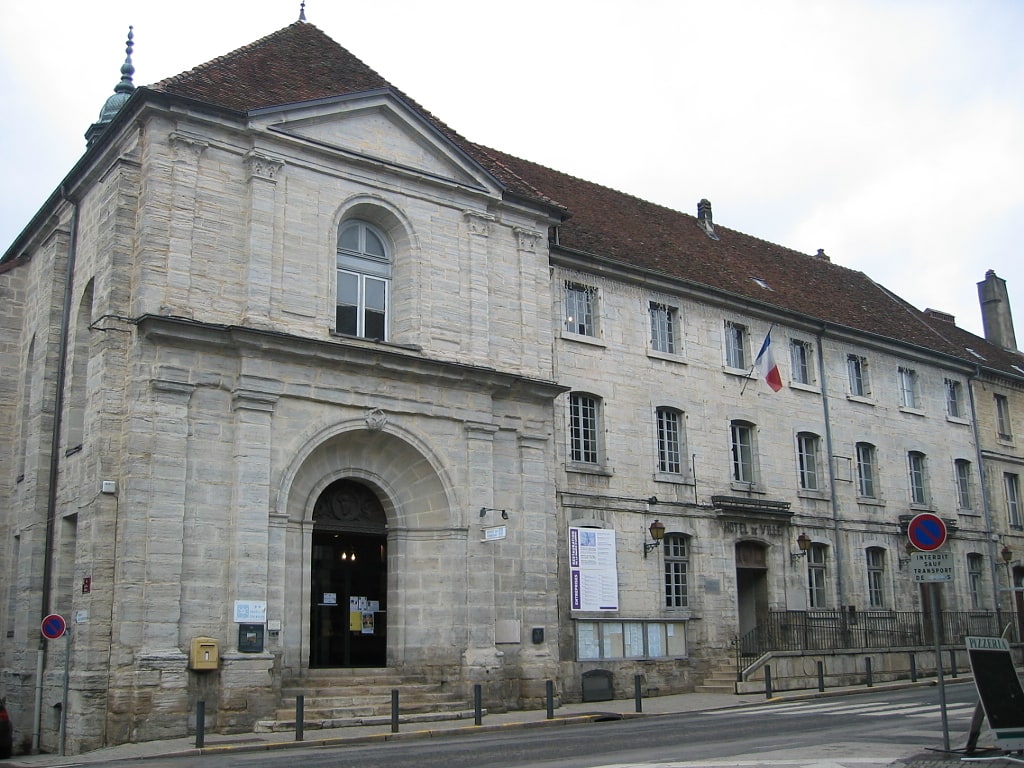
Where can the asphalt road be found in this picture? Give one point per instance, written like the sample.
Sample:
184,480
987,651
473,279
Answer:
866,730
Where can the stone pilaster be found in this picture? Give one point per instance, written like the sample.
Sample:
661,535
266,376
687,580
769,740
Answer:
481,654
187,151
263,171
478,226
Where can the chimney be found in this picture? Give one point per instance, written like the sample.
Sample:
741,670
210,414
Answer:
704,218
995,311
821,255
938,314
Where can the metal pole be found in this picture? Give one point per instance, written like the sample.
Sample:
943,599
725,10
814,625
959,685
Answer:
867,666
300,717
767,681
821,677
637,696
200,724
477,704
913,667
64,698
394,710
550,691
934,599
952,662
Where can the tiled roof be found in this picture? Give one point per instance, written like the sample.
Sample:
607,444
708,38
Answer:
301,63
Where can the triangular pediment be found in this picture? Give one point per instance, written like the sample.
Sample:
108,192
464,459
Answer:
380,128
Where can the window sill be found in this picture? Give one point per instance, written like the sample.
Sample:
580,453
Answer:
588,469
809,494
814,388
579,337
922,506
870,501
957,420
1005,440
666,356
745,373
747,487
376,342
860,399
911,411
673,478
969,512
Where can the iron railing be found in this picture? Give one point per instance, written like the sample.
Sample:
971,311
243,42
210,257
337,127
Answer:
816,631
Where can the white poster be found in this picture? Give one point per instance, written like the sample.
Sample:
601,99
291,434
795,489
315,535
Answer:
593,576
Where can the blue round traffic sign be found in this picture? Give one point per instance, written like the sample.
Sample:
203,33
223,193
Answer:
53,626
927,532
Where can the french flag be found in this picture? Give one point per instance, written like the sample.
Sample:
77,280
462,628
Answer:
766,364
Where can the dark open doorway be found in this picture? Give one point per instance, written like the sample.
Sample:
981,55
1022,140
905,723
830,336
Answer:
348,577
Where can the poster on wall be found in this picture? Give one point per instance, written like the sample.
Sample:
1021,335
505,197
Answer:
594,580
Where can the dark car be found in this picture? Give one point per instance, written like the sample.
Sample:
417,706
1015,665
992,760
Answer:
6,732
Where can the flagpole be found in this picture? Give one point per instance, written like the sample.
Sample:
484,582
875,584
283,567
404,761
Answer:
750,373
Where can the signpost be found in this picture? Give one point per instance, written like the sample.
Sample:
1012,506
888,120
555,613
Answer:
927,533
54,627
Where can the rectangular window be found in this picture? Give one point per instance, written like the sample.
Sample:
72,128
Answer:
807,460
975,569
954,399
964,496
800,361
742,452
735,345
1003,428
664,328
583,428
1011,487
669,441
580,309
857,370
677,568
816,595
866,470
918,489
362,306
876,574
908,387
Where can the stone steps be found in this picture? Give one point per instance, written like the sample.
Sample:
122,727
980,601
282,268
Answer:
720,679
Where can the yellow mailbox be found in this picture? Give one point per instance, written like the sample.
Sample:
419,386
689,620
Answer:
204,653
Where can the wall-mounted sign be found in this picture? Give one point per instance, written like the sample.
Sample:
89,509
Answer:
494,533
250,611
593,577
931,566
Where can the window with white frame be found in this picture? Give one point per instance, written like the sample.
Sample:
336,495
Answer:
1004,430
801,361
964,482
735,345
676,548
580,309
584,412
866,471
1011,489
817,595
857,372
918,479
907,378
975,571
875,558
742,439
363,281
954,399
670,440
808,449
664,328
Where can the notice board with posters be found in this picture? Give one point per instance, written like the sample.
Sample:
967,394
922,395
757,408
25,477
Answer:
999,689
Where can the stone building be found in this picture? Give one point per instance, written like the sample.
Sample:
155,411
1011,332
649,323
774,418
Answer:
301,382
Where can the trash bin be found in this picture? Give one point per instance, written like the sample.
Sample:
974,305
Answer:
6,733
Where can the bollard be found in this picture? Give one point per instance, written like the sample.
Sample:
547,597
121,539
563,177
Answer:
952,661
913,667
767,681
200,724
477,706
394,710
867,664
637,695
550,692
821,677
300,717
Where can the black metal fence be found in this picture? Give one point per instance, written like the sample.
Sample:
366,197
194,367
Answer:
813,631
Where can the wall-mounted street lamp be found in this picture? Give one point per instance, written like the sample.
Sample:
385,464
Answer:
804,542
1007,554
485,510
657,530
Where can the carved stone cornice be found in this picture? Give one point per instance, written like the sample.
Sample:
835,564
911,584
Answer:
263,166
478,223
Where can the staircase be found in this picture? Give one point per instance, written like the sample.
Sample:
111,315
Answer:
721,678
334,698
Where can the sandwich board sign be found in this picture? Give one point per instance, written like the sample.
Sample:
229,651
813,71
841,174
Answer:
999,690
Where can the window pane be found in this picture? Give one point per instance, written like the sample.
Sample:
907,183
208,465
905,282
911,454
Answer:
374,246
348,304
349,238
586,641
655,640
634,639
668,441
742,453
583,428
676,639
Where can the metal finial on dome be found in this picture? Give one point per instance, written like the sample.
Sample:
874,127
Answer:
302,10
127,69
122,92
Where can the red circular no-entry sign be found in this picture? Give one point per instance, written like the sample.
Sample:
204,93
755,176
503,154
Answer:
53,626
927,532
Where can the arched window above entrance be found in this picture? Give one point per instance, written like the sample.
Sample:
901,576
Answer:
348,505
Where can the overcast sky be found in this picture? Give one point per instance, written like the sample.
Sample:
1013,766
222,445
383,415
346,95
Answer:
888,133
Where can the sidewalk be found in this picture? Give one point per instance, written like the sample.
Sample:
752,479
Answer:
427,726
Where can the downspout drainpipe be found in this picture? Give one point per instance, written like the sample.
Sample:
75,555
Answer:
51,499
837,542
993,558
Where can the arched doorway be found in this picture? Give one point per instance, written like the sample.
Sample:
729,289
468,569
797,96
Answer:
348,578
751,585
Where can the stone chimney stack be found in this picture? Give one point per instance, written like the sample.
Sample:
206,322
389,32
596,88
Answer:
995,311
704,218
